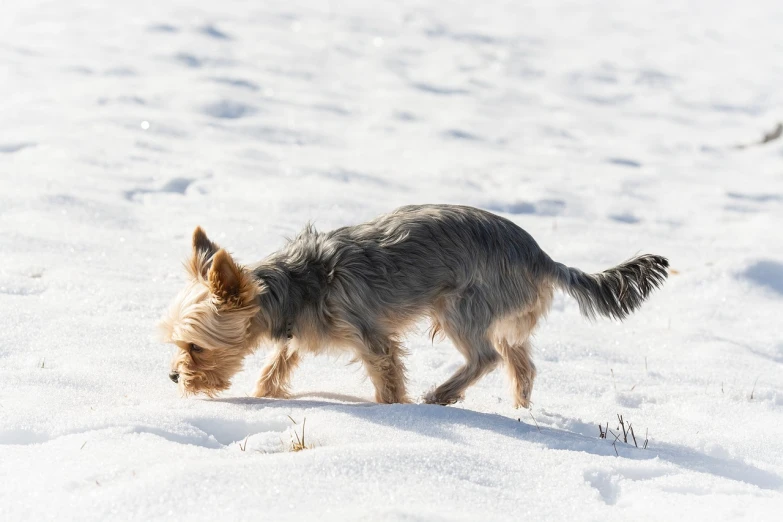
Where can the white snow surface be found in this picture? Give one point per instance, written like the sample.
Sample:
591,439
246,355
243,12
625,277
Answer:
603,128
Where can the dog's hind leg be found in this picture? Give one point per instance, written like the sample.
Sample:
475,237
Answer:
470,338
511,337
382,357
480,359
277,373
520,368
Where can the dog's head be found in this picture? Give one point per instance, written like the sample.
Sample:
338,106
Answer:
210,320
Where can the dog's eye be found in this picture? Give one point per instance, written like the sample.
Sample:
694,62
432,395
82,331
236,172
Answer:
196,348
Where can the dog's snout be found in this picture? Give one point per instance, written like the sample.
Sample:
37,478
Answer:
174,376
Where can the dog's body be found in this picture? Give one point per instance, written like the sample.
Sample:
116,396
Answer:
483,281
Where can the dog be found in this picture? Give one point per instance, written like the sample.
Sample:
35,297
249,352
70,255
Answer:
480,279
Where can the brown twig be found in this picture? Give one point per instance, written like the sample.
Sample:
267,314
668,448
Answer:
534,420
772,135
300,443
623,430
245,445
622,424
754,387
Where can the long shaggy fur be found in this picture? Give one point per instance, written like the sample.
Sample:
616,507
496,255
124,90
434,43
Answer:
616,292
481,280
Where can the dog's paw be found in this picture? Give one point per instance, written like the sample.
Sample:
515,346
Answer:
433,397
263,391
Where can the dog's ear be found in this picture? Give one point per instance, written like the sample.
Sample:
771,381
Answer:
202,244
228,281
203,251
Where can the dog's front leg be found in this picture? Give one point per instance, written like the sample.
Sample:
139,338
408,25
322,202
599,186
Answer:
382,358
277,373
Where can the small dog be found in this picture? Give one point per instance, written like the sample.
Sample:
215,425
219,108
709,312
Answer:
482,281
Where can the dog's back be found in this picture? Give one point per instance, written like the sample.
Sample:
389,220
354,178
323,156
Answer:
419,253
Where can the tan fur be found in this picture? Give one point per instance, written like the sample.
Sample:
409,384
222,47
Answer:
383,362
277,373
482,281
215,312
219,304
511,337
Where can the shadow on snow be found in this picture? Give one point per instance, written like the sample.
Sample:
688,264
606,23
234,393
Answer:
445,423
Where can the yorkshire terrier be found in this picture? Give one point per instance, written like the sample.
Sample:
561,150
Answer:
479,278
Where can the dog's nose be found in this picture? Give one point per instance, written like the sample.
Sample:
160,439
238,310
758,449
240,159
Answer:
174,376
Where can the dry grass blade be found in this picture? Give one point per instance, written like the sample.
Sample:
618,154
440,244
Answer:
243,444
622,424
753,391
300,443
623,430
534,420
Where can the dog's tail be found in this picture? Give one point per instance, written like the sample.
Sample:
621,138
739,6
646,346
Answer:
615,292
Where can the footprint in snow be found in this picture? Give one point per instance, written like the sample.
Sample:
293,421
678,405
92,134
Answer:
624,162
238,82
228,109
172,186
214,32
756,198
10,148
27,284
163,28
542,207
608,483
765,273
625,217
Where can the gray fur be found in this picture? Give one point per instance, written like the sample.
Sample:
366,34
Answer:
616,292
466,269
405,261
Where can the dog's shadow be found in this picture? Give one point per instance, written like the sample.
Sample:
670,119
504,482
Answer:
449,423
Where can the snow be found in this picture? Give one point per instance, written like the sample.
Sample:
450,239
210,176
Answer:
603,128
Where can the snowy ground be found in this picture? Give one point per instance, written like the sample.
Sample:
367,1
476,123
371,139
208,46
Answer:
603,128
